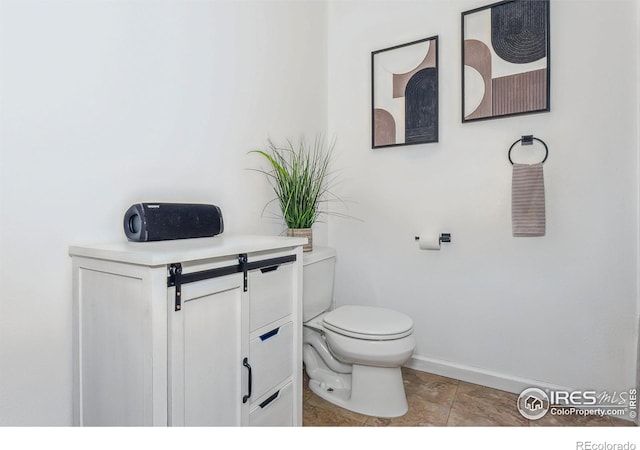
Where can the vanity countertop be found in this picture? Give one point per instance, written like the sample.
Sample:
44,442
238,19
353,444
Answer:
158,253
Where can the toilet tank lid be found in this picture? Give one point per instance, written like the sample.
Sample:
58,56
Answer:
368,320
318,254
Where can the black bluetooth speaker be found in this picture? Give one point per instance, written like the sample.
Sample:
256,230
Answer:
165,221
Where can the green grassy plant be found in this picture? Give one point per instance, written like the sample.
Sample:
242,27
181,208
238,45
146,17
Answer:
299,177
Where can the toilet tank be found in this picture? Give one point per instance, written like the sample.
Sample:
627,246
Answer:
317,283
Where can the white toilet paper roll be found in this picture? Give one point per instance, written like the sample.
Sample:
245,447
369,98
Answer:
429,241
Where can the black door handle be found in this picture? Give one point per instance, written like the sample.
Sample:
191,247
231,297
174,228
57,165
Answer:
245,362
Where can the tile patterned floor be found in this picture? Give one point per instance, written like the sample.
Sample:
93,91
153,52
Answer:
439,401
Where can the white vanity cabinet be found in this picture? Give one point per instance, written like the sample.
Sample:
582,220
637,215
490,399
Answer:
194,332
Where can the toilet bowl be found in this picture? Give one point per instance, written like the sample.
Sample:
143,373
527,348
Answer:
353,354
369,335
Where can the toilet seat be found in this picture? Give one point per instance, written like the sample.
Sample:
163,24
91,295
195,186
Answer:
368,323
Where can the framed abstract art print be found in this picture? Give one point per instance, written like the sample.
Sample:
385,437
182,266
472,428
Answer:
404,94
505,59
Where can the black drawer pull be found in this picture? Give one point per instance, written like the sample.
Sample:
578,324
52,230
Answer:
269,334
269,400
269,269
245,362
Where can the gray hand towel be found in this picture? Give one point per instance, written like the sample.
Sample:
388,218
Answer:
527,200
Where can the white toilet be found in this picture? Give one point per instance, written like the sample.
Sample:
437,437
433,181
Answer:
352,354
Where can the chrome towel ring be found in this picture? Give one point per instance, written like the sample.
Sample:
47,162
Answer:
528,140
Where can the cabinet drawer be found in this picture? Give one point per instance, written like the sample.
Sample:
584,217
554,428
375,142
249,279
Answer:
271,294
271,357
275,411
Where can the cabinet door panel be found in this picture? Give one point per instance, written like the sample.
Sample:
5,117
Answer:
208,376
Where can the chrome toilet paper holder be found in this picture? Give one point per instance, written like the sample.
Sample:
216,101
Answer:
444,237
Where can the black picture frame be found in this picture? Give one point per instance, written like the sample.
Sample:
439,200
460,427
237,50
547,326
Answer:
506,51
404,94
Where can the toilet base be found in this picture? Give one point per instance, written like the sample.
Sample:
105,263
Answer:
373,391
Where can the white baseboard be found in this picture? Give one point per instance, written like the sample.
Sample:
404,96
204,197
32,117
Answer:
476,375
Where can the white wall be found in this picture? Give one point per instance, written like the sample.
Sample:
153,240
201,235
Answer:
560,310
104,104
